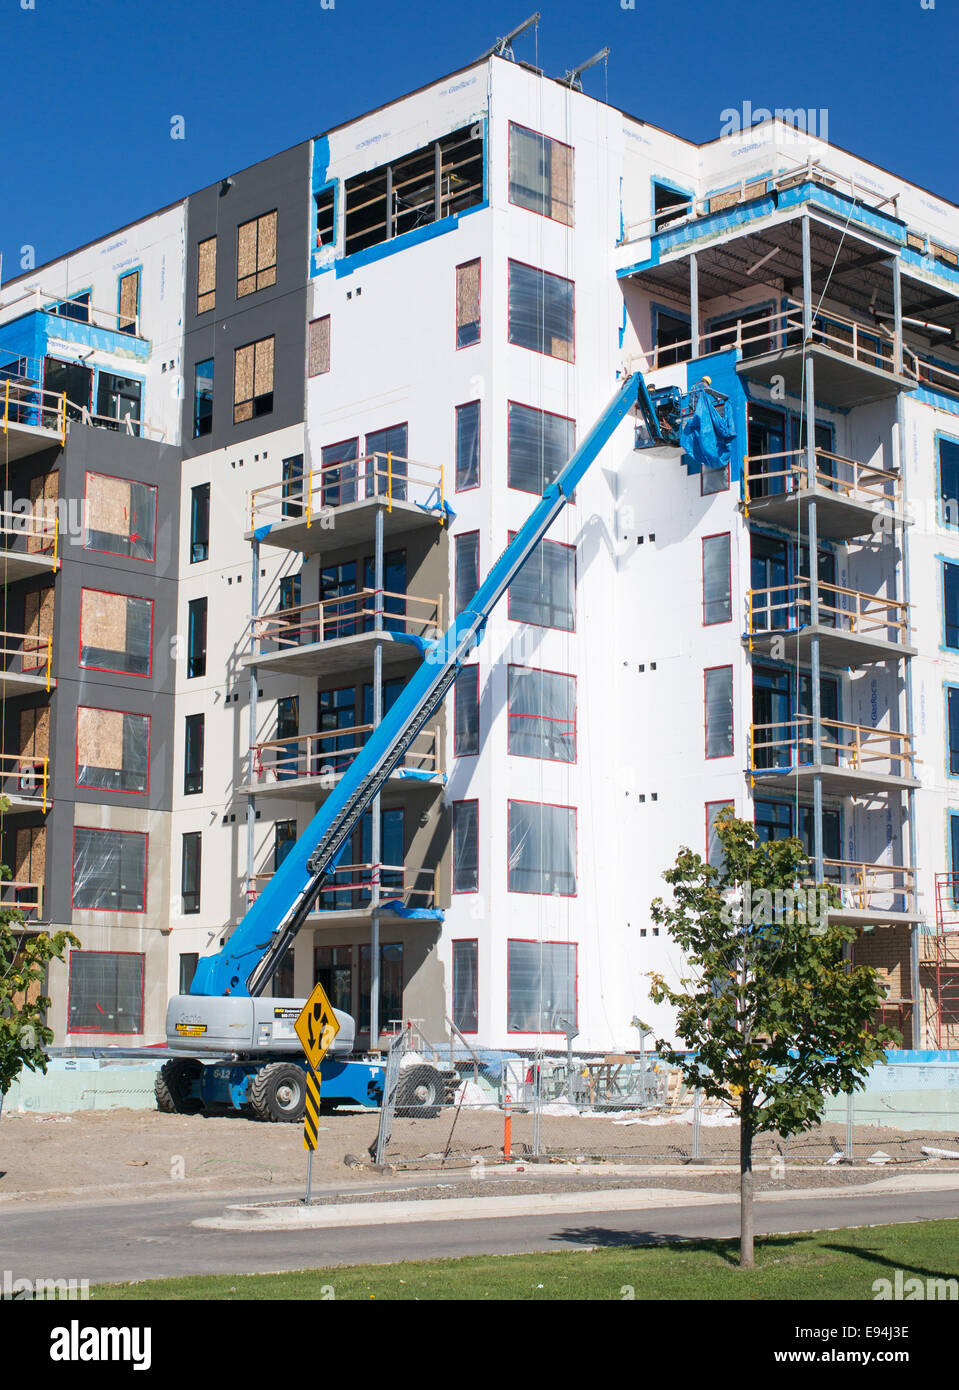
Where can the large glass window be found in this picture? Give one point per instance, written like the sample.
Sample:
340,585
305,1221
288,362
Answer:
719,712
106,992
199,523
465,846
950,603
113,750
338,463
540,311
116,632
387,462
466,565
540,174
467,446
541,714
466,985
333,969
292,487
193,755
119,399
466,712
196,638
544,591
203,398
109,870
948,481
542,848
673,338
541,986
391,985
717,589
120,516
539,445
952,729
714,848
190,872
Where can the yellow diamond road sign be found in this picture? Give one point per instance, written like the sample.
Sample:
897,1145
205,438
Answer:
316,1027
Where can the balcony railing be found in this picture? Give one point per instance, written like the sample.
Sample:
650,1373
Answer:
351,887
788,607
872,887
30,653
327,755
24,402
26,897
785,472
386,476
36,532
76,310
25,775
350,615
788,746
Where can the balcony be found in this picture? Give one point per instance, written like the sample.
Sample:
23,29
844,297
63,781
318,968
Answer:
852,498
347,897
31,419
25,782
29,543
872,894
309,766
336,635
27,662
24,897
854,628
334,506
854,759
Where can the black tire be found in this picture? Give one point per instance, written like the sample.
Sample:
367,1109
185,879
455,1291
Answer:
277,1093
172,1087
421,1093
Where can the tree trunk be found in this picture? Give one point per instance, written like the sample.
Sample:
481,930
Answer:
746,1182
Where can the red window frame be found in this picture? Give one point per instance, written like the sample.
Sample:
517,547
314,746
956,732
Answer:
547,627
310,376
559,805
125,911
479,474
544,670
141,598
474,941
456,563
509,171
528,492
143,975
112,791
718,535
95,550
474,260
466,801
723,801
713,757
569,361
528,940
468,666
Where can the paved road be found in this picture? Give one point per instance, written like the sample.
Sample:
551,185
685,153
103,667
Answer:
125,1240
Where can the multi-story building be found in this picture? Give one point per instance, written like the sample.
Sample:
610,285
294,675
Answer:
327,390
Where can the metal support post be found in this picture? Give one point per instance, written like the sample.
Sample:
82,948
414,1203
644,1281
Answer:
251,767
813,548
376,845
694,305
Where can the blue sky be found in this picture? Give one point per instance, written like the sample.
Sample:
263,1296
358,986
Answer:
90,86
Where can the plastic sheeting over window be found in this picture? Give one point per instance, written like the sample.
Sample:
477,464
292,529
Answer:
109,870
465,985
466,568
541,986
540,311
714,849
717,596
467,446
540,174
116,632
542,714
106,992
120,516
113,750
465,846
539,445
719,712
542,848
466,712
544,591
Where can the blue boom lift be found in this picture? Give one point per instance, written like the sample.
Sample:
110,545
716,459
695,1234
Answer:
242,1049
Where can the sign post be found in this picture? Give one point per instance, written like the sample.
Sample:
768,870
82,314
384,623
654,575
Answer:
316,1027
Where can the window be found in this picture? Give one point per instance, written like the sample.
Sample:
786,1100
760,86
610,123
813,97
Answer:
466,564
741,329
394,585
467,304
189,960
193,754
540,174
541,720
668,205
118,400
333,969
256,254
113,750
116,633
338,465
199,523
190,873
467,446
319,356
466,712
206,275
391,986
542,849
129,302
952,728
253,381
284,838
70,379
38,611
196,638
544,591
719,712
540,311
109,870
773,820
717,581
713,480
77,307
120,516
950,603
466,985
339,582
203,398
292,490
714,849
414,190
387,460
325,202
672,336
948,481
540,986
106,992
539,445
465,846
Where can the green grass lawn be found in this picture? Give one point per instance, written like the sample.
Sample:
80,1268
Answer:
820,1265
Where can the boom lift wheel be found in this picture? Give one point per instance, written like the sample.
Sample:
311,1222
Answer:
278,1093
421,1093
172,1087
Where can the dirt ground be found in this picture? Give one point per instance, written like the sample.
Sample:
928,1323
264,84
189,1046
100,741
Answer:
131,1153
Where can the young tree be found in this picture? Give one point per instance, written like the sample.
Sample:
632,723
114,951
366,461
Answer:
775,1016
24,958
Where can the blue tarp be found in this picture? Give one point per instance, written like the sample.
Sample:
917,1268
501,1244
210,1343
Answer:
705,435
